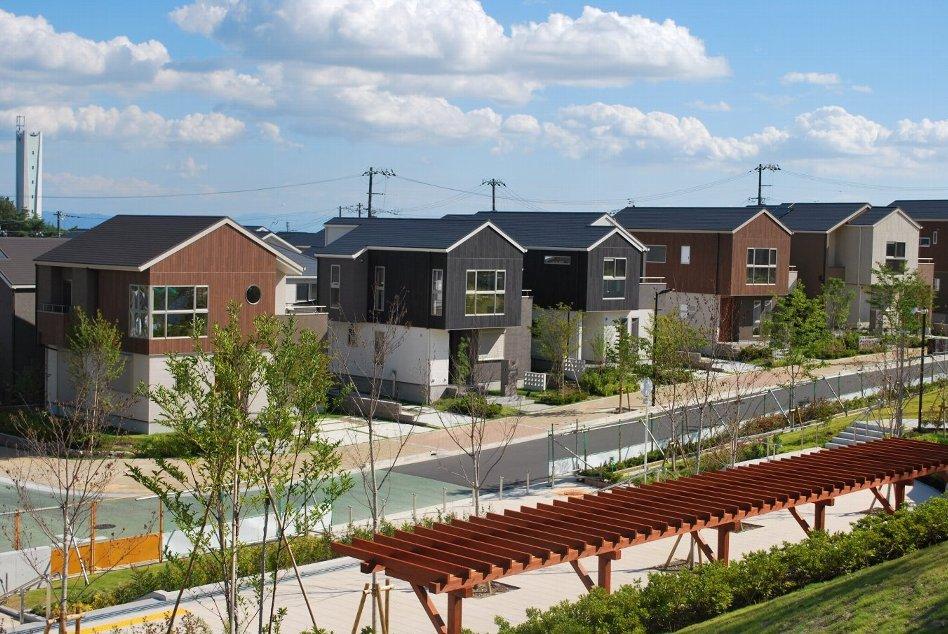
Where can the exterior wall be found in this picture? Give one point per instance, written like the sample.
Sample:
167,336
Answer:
604,323
552,284
7,319
408,278
938,252
485,250
762,232
417,366
895,228
353,284
810,253
701,310
614,246
710,259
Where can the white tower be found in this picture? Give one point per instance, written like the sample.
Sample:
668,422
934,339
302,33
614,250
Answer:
29,169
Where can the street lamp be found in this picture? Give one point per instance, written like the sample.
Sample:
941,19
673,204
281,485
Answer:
921,372
655,339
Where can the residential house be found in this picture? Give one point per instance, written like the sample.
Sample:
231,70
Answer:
21,358
586,261
418,288
725,264
932,216
847,241
160,278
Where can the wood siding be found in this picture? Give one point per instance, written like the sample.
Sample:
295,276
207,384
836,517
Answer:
939,255
808,252
485,250
617,247
763,232
408,278
552,284
710,260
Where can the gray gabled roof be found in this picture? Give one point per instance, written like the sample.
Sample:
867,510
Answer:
714,219
816,217
16,259
135,242
923,209
578,230
306,241
420,234
307,263
873,215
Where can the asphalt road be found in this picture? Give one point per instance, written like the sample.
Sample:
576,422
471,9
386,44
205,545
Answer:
532,456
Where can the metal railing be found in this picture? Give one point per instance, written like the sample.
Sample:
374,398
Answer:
59,309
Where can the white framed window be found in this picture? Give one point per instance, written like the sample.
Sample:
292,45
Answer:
437,292
168,312
484,292
335,283
656,253
562,260
378,289
686,254
305,293
613,278
936,284
895,255
924,241
935,236
761,266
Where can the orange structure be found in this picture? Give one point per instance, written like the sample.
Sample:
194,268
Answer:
453,558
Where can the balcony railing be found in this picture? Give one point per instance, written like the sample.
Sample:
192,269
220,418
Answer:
59,309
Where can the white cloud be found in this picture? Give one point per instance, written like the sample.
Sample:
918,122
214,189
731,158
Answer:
924,132
718,106
33,47
861,88
201,17
225,84
833,128
130,126
817,79
74,184
522,124
271,132
188,168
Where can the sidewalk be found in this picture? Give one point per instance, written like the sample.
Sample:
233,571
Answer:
335,587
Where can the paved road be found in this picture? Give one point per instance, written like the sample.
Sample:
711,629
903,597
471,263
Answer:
532,456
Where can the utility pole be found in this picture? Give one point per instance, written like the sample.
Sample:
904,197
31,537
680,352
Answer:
493,182
340,211
370,173
359,209
59,223
773,167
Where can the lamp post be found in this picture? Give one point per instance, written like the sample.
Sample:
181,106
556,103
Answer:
921,372
655,339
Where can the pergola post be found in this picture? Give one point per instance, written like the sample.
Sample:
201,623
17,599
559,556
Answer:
899,495
604,574
802,522
455,600
724,542
819,514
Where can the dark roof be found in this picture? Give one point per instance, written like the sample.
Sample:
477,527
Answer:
307,242
923,209
432,234
17,255
306,262
872,216
130,240
819,217
546,229
686,218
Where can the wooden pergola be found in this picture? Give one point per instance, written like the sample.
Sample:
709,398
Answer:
455,557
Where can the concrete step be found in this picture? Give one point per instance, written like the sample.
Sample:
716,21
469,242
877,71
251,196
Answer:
833,444
860,434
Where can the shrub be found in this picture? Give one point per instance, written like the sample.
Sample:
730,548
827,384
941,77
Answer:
755,352
555,397
470,405
173,445
604,382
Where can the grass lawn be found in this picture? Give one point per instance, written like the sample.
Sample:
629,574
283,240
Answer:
78,590
909,594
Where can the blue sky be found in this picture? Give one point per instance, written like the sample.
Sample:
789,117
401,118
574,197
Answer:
574,106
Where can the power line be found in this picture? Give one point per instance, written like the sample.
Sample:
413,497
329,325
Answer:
494,183
370,173
839,181
760,169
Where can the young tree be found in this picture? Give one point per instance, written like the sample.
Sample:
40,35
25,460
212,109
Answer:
625,356
64,449
222,398
897,296
837,299
555,332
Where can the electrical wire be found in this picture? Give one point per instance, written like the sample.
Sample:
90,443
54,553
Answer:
838,181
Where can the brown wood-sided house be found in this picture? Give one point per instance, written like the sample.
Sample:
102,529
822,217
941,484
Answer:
724,264
160,278
932,215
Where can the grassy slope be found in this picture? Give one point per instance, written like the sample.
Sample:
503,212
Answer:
909,594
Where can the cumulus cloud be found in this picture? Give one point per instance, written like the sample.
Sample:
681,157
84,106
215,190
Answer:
816,79
924,132
834,128
201,17
68,182
862,88
271,132
717,106
130,126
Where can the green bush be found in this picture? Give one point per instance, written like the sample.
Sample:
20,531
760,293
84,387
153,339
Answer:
556,397
604,381
173,445
755,352
672,601
470,405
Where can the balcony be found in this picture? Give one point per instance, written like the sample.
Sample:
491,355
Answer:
52,323
792,277
308,317
648,286
836,271
926,270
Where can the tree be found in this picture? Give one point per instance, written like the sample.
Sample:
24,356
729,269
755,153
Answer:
251,403
16,222
65,446
625,356
555,332
837,299
897,296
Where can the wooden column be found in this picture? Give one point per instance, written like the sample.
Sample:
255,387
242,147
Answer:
724,542
899,495
604,574
455,600
819,514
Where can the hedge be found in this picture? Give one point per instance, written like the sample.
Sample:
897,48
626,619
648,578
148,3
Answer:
671,601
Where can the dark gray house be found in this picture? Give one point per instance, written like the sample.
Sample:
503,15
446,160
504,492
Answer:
427,285
585,260
20,353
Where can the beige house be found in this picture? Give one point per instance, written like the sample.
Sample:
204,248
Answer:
878,236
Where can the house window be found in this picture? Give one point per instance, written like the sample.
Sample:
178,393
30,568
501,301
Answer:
168,311
67,293
895,256
761,266
686,254
335,277
935,236
253,294
613,278
936,284
437,292
656,253
563,260
924,241
305,293
378,289
484,294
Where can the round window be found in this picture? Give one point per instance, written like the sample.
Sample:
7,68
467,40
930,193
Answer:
253,294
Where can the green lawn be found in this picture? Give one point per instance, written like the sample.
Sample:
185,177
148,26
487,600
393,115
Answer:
909,594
